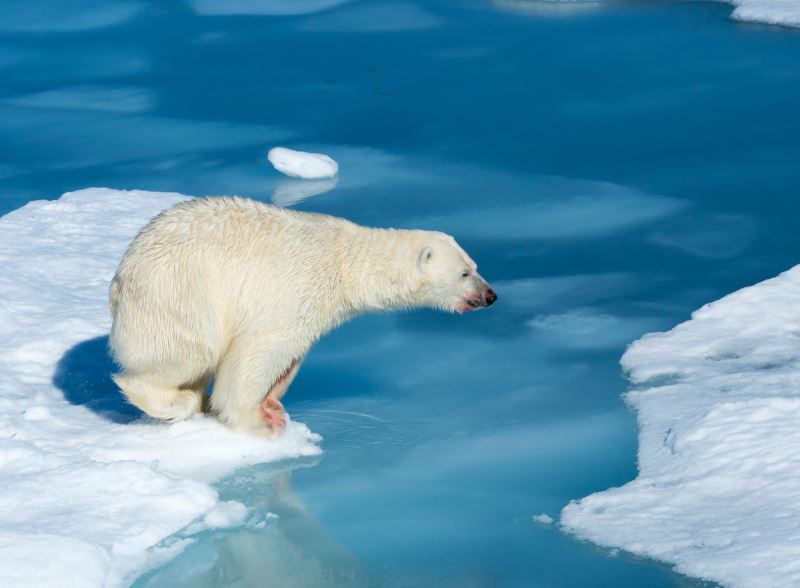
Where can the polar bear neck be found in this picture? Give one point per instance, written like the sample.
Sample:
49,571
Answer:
378,269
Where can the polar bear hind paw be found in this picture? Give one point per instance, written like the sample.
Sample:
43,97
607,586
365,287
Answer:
166,404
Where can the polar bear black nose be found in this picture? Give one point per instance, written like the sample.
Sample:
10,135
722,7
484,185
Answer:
490,297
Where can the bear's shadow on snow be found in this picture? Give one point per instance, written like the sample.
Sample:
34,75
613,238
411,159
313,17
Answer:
84,375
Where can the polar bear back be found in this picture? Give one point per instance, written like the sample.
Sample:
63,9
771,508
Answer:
220,266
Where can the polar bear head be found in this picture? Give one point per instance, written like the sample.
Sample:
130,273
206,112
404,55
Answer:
448,278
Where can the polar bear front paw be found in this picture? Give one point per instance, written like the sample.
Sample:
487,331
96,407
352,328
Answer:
273,413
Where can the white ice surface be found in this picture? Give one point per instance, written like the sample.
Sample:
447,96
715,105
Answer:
83,500
718,491
777,12
302,164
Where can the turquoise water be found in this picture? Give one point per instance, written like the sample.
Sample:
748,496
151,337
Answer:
610,167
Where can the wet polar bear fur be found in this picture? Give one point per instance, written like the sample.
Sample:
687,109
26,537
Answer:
236,291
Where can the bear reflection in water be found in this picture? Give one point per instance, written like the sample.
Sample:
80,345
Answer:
282,544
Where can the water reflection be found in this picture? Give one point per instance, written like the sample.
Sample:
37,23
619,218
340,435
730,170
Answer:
291,191
281,544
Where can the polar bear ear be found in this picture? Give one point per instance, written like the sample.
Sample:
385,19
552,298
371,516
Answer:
424,257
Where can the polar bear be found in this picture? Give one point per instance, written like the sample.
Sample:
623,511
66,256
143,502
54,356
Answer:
237,291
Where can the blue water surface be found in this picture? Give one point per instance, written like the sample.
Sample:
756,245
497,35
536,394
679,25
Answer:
610,166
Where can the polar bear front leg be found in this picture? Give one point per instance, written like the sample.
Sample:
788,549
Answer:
248,378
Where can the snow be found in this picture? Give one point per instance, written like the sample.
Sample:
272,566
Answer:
718,490
89,489
302,164
776,12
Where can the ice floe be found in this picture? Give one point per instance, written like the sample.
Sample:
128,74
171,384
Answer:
89,488
777,12
302,164
718,490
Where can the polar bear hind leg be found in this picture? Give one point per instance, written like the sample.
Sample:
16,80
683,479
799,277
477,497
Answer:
165,402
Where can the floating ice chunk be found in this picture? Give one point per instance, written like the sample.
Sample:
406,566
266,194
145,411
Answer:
302,164
543,519
719,468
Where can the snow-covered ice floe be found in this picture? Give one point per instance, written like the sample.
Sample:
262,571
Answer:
86,497
718,405
776,12
302,164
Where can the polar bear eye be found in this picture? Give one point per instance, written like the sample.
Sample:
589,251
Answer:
465,274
